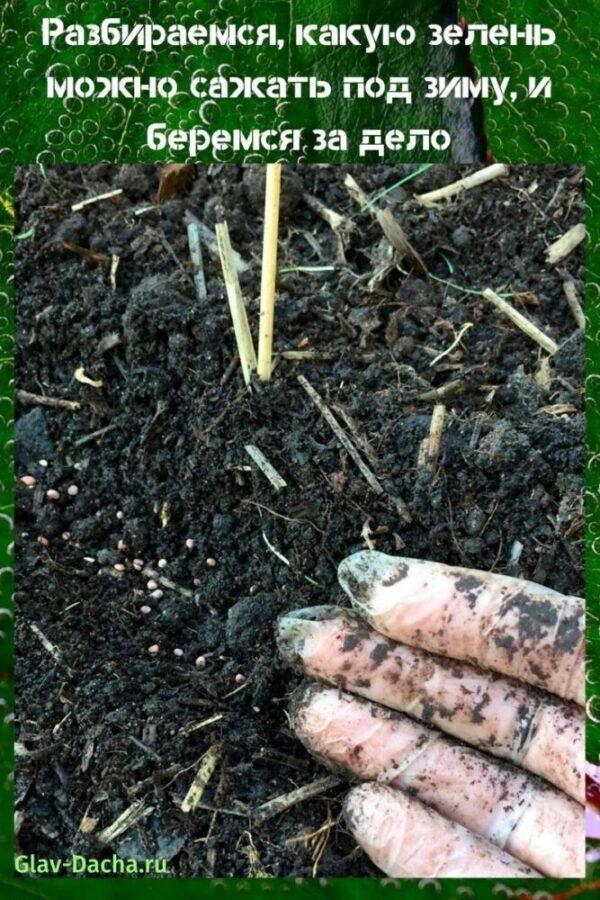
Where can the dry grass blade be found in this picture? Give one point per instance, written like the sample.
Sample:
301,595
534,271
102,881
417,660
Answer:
202,777
341,435
521,321
269,270
237,308
498,170
195,246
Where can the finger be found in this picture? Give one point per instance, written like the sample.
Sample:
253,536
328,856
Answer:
506,718
407,839
520,813
512,626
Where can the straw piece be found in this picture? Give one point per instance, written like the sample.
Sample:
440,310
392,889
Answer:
498,170
122,823
565,244
41,400
285,801
193,234
210,242
429,449
521,322
201,779
574,304
237,309
265,466
269,270
108,196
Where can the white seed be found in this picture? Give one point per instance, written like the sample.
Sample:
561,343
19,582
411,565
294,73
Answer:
200,662
153,649
157,594
43,463
29,481
72,490
190,543
120,514
210,562
151,585
239,678
162,564
53,495
43,540
138,564
66,535
121,545
119,567
145,610
89,559
178,651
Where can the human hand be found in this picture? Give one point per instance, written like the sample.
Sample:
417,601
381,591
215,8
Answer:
436,806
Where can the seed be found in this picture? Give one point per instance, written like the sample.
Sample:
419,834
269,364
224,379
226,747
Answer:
162,564
239,678
119,567
120,514
52,495
145,610
178,651
72,490
121,545
43,540
157,594
29,481
66,535
43,463
189,544
153,649
210,562
151,585
200,662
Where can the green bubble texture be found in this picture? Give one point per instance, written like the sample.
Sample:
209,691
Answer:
32,129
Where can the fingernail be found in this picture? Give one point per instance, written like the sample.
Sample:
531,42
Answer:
296,627
362,573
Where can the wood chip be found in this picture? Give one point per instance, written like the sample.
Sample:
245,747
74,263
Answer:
122,823
269,471
521,321
498,170
565,244
285,801
175,179
203,775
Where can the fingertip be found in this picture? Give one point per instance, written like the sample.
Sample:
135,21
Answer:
361,573
295,627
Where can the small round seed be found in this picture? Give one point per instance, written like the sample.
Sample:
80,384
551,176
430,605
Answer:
151,585
43,463
145,610
72,490
239,678
157,594
210,562
153,649
162,564
200,662
178,651
29,481
190,544
120,514
53,495
119,567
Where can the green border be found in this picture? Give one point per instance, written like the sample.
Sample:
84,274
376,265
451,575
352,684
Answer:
560,130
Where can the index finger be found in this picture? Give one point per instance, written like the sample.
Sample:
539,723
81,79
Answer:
505,624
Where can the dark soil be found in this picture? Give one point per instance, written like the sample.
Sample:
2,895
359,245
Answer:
109,723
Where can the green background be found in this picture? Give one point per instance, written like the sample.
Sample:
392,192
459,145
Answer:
35,130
